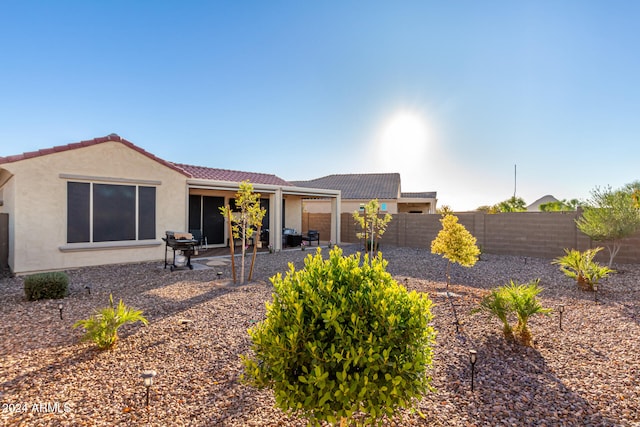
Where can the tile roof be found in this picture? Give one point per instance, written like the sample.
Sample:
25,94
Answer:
201,172
112,137
359,186
420,195
197,172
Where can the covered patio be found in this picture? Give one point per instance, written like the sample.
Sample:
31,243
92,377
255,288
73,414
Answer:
282,202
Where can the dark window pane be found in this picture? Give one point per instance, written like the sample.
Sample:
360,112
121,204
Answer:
78,212
264,204
147,213
114,212
195,214
212,219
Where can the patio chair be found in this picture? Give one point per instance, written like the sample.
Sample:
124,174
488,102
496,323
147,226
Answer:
312,236
197,235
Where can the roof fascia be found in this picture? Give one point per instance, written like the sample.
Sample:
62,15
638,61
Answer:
265,188
415,199
307,191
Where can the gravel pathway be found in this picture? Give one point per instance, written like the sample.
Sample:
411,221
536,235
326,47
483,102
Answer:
587,374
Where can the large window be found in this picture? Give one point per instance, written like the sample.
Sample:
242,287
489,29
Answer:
109,212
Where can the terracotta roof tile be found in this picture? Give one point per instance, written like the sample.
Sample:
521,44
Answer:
87,143
201,172
198,172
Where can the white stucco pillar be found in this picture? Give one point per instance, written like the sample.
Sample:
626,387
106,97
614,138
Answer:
335,219
275,221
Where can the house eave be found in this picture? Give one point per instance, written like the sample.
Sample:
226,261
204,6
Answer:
416,200
263,188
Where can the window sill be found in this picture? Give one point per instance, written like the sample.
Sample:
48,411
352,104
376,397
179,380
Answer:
99,246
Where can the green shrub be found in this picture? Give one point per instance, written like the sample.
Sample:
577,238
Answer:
341,339
514,299
581,266
53,285
102,327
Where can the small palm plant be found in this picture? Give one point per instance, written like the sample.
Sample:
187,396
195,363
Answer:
514,299
102,327
523,299
497,304
581,266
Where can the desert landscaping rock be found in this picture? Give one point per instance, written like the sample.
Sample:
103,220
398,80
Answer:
587,374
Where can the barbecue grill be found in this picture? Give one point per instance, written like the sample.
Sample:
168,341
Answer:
179,242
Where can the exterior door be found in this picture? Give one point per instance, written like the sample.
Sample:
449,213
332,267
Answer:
212,220
204,214
4,242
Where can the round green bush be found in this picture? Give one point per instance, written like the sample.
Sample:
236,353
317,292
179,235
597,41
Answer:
53,285
341,339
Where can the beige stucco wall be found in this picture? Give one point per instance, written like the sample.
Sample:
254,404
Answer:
293,212
7,195
38,214
346,206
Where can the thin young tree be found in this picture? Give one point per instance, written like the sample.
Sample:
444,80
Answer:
246,218
372,223
456,245
611,215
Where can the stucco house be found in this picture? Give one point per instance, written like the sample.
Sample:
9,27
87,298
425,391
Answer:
357,189
107,201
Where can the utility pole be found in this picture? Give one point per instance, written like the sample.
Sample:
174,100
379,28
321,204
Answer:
515,179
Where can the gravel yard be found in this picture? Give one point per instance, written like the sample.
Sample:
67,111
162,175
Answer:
587,374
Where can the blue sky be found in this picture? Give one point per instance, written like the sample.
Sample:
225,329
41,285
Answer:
450,94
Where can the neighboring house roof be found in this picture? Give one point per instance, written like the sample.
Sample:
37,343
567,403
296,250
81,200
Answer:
359,186
201,172
112,137
421,195
535,206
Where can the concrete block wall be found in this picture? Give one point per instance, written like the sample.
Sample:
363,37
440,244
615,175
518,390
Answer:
535,234
538,234
317,221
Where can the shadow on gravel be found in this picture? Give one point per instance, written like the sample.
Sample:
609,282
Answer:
61,367
514,385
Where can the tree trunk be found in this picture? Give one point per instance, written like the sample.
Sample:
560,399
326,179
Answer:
255,250
231,245
244,250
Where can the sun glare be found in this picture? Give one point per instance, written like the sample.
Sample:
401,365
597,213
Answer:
402,144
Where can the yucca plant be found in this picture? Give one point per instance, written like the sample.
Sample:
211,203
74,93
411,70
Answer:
102,327
581,267
497,304
524,302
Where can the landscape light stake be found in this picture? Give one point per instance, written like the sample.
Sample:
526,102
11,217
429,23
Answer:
219,274
88,288
60,306
561,310
595,292
473,356
147,377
